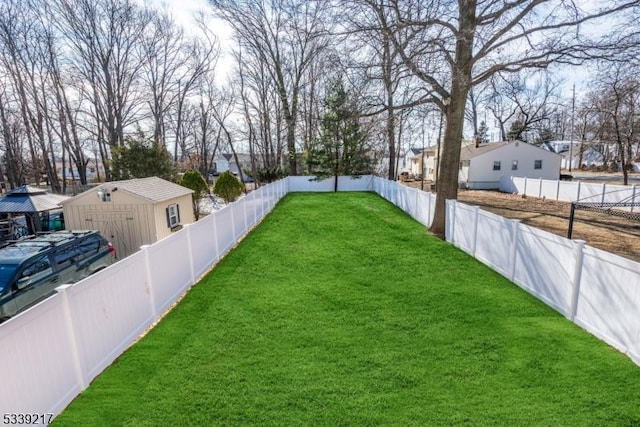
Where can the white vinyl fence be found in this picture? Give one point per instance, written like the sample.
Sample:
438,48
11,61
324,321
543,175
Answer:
571,191
597,290
51,352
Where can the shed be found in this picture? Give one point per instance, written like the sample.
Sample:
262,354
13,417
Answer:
131,213
482,167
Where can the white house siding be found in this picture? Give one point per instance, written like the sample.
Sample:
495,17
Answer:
463,175
222,165
428,162
482,176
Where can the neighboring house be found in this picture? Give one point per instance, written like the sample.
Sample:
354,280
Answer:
576,154
482,167
226,161
131,213
95,170
403,164
589,157
428,160
221,164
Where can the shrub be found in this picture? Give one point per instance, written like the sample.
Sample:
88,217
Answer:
228,187
193,180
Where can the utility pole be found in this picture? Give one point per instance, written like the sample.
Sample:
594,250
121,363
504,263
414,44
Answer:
573,111
422,159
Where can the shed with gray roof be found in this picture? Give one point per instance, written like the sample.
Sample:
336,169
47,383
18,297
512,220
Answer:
131,213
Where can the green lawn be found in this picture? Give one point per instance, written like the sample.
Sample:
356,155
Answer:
341,310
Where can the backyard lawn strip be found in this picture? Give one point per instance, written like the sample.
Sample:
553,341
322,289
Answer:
339,309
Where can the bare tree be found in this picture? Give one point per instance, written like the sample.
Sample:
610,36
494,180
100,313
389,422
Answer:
286,36
104,37
617,104
25,57
222,111
207,132
13,148
454,46
373,51
525,101
201,55
262,109
246,106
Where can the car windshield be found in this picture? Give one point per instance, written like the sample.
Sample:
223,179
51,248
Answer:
6,274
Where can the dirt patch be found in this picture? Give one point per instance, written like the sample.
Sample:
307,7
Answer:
613,234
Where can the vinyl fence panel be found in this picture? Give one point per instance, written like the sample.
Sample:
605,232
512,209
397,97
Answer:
170,269
572,191
204,252
549,189
239,220
591,193
224,229
619,194
307,183
362,183
424,208
609,302
569,191
545,266
37,366
533,187
464,219
494,238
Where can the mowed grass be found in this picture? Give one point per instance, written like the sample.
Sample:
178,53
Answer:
340,310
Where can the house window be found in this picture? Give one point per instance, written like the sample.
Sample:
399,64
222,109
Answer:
514,165
496,165
537,164
173,216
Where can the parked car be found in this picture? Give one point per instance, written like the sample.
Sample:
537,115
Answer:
31,268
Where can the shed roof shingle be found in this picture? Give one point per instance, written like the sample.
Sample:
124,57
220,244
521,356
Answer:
152,188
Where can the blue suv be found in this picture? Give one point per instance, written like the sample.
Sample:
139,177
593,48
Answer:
31,268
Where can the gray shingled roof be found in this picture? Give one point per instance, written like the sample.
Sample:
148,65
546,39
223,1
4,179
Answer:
27,199
153,188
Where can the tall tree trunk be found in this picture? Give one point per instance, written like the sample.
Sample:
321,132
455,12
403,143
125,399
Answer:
455,111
